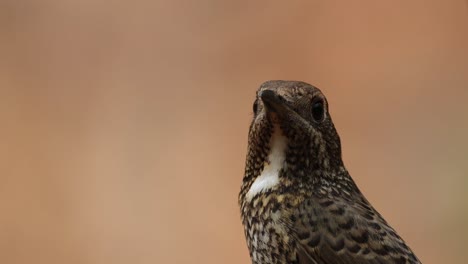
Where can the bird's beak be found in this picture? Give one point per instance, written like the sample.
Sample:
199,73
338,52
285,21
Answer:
278,110
272,101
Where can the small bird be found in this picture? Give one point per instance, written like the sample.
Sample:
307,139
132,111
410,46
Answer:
298,202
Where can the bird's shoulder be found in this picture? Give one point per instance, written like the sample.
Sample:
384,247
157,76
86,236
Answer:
344,229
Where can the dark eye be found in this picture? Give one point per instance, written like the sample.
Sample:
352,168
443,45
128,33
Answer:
255,107
318,110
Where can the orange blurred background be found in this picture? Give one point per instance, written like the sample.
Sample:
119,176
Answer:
124,123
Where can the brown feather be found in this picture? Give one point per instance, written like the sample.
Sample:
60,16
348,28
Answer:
298,202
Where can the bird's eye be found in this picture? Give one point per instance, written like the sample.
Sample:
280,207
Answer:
255,107
318,111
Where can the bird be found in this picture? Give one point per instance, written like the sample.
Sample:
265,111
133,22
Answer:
298,202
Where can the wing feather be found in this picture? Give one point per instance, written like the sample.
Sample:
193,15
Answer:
338,231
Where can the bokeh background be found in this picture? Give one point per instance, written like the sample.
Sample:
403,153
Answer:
124,123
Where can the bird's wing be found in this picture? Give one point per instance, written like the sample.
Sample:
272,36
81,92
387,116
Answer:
338,231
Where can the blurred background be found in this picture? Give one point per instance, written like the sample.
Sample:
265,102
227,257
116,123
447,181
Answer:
124,124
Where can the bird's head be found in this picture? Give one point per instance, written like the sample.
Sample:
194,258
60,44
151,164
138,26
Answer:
292,119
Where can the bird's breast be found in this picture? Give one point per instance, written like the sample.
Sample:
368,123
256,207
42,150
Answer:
265,229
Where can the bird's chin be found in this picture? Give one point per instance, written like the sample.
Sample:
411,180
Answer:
272,117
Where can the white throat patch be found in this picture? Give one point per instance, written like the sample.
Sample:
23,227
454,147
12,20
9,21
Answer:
269,177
